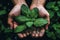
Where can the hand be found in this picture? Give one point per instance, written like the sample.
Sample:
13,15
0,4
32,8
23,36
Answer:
42,13
15,12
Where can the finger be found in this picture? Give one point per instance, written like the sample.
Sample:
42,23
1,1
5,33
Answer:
36,35
37,32
42,32
33,33
15,24
10,22
24,34
46,26
48,21
20,35
44,13
27,33
15,11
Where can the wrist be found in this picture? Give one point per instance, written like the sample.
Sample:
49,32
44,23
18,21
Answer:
18,2
38,2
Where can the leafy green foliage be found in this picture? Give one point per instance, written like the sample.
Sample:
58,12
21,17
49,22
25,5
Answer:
7,30
53,8
56,25
22,18
56,8
40,22
2,12
58,3
50,5
51,13
58,13
57,32
54,29
2,28
29,24
34,13
57,29
25,10
51,35
20,28
30,18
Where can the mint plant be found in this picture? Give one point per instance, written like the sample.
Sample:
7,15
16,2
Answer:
29,18
52,6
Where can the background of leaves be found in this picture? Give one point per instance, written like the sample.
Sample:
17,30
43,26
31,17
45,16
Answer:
53,33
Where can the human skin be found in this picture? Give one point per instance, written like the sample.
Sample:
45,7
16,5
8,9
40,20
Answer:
42,13
15,12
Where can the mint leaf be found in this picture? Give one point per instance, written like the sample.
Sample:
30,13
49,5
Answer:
56,8
51,13
40,22
51,35
58,3
58,14
20,28
55,26
34,13
2,12
22,19
29,24
2,27
7,30
25,10
50,5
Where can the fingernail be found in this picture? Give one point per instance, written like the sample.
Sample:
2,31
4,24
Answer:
33,35
24,35
36,35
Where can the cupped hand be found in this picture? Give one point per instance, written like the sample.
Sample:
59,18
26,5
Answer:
42,13
15,12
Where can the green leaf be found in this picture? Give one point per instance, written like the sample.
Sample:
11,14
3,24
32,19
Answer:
2,12
50,5
34,13
51,35
29,24
2,27
7,30
20,28
51,13
58,14
48,33
56,8
55,26
25,10
58,3
40,22
22,19
57,32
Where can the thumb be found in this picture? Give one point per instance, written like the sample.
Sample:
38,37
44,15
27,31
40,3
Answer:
15,24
